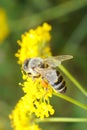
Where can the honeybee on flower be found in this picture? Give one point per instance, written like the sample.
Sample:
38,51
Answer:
47,69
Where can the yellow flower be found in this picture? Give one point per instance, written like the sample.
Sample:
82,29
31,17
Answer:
43,109
34,43
36,101
38,97
21,118
4,29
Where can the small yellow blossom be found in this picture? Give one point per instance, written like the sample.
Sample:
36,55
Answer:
38,97
34,43
4,29
36,101
21,118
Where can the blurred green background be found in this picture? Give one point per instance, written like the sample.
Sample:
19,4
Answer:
69,36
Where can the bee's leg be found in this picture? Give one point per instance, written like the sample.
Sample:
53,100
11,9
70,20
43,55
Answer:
33,78
46,87
44,83
29,74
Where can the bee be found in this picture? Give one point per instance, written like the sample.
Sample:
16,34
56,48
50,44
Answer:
47,69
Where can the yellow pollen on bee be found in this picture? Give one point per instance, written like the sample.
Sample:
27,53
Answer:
44,83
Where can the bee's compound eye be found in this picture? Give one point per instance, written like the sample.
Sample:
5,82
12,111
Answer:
25,64
24,67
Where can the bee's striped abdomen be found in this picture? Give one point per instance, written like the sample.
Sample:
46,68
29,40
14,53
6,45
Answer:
60,84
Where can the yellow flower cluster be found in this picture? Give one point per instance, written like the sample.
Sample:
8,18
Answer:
38,98
21,118
4,29
35,103
34,43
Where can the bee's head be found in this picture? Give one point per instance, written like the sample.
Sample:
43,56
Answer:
30,65
35,62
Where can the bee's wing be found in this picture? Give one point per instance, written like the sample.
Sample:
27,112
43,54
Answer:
54,61
47,73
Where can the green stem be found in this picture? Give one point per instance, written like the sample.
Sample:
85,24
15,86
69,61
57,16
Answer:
69,99
75,82
64,119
